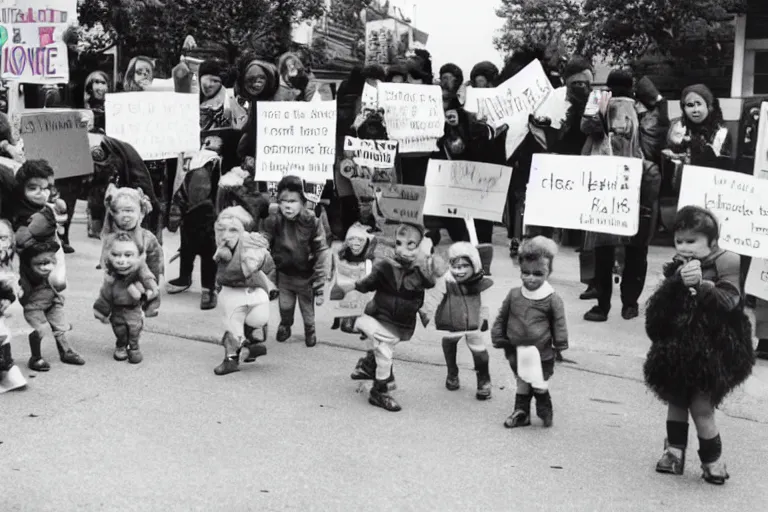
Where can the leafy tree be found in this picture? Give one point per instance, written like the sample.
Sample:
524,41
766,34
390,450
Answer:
555,25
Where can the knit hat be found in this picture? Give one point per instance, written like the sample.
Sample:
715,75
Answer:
291,184
468,251
700,89
270,71
575,66
454,70
620,83
487,69
647,93
357,230
214,67
239,214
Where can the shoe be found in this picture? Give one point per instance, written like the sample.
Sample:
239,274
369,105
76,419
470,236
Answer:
380,397
151,313
38,364
630,312
121,354
483,387
135,356
670,462
589,294
72,357
715,472
68,249
452,382
208,299
227,366
365,368
310,339
283,333
11,379
521,416
544,408
761,352
253,351
178,285
596,314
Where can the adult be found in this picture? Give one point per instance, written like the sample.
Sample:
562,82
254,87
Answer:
257,80
483,75
139,75
94,95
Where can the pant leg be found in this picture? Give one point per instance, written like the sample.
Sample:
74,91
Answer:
186,254
484,230
604,276
120,328
306,299
135,323
57,318
36,319
286,301
476,341
207,265
633,277
761,319
383,343
233,304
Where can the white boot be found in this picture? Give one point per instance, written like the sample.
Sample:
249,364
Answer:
12,379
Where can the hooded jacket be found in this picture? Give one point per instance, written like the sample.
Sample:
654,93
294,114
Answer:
247,145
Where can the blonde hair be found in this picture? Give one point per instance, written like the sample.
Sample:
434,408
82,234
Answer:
536,249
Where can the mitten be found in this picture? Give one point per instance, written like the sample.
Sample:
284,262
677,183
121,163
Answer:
102,318
136,290
274,294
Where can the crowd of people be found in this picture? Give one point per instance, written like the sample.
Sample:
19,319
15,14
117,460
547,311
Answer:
252,252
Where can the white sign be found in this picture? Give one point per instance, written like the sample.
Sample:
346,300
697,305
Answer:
761,149
591,193
158,125
297,138
456,188
757,279
737,200
414,115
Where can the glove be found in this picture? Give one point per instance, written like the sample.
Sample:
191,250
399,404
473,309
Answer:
319,299
484,327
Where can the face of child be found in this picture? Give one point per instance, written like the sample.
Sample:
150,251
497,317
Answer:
696,108
99,87
452,117
461,269
692,245
255,80
407,243
290,204
356,245
534,273
124,256
210,85
37,191
126,213
43,264
481,82
228,232
143,73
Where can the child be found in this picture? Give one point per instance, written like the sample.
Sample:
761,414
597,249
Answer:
243,264
531,329
126,207
10,375
355,257
298,247
459,313
123,292
390,318
701,340
41,297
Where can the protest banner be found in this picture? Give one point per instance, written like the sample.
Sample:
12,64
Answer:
757,279
158,125
413,115
738,202
296,137
591,193
369,159
456,188
352,303
60,137
32,48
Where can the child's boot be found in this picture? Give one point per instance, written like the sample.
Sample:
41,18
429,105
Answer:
283,333
36,361
672,461
483,375
366,367
544,408
209,299
231,356
121,351
450,347
712,465
310,338
521,416
380,397
10,375
134,353
66,354
254,347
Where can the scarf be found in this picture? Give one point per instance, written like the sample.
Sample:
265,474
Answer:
544,291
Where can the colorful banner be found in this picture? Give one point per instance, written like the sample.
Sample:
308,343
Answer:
737,200
591,193
60,137
369,159
456,188
158,125
296,137
413,115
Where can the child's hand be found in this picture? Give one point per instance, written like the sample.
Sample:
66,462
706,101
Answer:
691,273
319,300
558,356
101,318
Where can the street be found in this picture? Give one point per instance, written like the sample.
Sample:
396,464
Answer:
293,432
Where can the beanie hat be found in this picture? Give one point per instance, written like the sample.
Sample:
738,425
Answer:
700,89
239,214
620,83
487,69
468,251
575,66
291,184
647,93
214,67
454,70
357,230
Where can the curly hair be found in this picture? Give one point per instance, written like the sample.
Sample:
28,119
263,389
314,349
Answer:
536,249
697,220
33,169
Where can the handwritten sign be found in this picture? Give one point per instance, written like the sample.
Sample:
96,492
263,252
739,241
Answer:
456,188
32,49
354,302
158,125
369,159
738,202
761,149
592,193
392,201
757,279
413,114
60,137
296,137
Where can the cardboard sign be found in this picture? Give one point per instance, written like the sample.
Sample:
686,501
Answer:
158,125
392,201
60,137
737,200
297,138
591,193
456,188
413,115
370,159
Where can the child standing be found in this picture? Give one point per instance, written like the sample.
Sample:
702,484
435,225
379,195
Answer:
354,258
459,313
531,329
701,341
298,247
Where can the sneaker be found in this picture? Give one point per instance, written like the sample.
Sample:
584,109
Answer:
672,461
517,419
178,285
589,294
715,472
596,314
452,382
383,400
253,351
630,312
72,357
121,354
283,333
208,299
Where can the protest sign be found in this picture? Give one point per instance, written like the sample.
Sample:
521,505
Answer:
456,188
413,115
60,137
353,302
370,98
757,279
591,193
158,125
297,138
32,48
369,159
738,202
390,201
761,149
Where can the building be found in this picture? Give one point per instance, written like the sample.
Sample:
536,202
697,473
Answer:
750,56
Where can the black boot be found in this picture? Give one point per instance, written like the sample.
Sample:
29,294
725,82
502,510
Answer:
450,347
380,397
66,354
483,375
366,367
672,461
521,416
761,352
231,355
712,465
336,323
590,293
283,333
310,338
36,361
544,408
254,347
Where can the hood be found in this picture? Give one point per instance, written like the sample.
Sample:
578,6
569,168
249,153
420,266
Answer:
469,251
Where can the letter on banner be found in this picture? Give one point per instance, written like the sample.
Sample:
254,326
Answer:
60,137
456,188
369,159
296,137
414,115
592,193
738,202
158,125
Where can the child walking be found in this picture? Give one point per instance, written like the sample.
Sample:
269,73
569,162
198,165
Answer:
459,312
701,341
354,259
299,249
531,329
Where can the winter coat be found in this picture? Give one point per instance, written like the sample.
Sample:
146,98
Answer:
114,292
37,294
461,308
713,152
701,340
194,201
